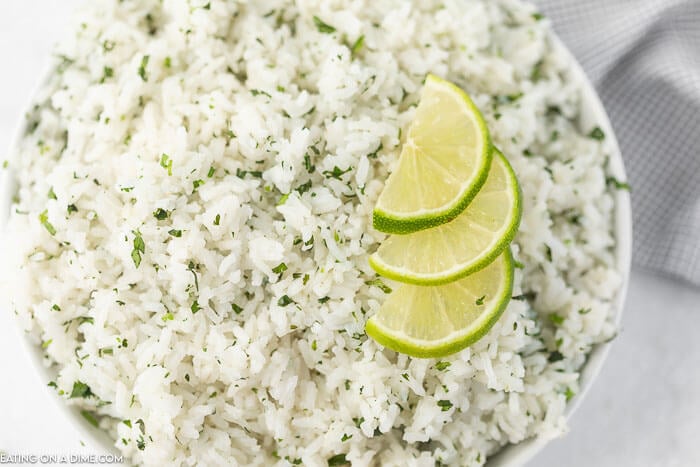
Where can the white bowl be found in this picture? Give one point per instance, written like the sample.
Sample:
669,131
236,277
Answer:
592,114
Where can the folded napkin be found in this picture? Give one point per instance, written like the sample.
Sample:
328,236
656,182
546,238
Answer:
643,57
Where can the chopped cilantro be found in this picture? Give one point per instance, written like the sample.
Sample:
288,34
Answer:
283,199
107,72
358,421
80,390
236,309
338,459
597,134
51,194
217,219
558,320
555,357
537,16
584,311
161,214
168,317
167,163
323,27
142,67
195,307
284,300
379,283
357,45
445,405
480,300
569,394
196,184
139,248
336,173
90,417
442,366
618,184
44,219
280,268
211,172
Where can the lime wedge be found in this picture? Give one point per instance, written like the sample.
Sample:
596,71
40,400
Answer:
443,163
460,247
438,321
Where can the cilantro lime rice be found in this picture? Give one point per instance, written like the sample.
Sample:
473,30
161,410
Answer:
192,225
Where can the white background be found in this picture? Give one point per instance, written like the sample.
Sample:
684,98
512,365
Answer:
643,411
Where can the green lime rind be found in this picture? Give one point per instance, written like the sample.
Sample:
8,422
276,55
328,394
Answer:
395,223
402,343
417,278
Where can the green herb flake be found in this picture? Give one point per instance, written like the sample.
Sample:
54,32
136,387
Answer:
537,16
175,233
518,265
168,317
404,376
345,437
556,319
217,219
47,343
107,73
284,300
584,311
323,300
555,357
167,63
323,28
127,423
71,208
55,307
358,421
303,188
80,390
139,248
167,163
445,405
336,173
140,443
195,307
338,459
548,253
442,366
307,163
90,417
258,92
569,394
597,134
196,184
211,172
618,184
236,309
480,300
314,346
51,194
536,73
379,283
142,67
357,45
44,219
283,199
161,214
280,268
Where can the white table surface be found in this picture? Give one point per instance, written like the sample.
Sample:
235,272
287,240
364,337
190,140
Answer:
643,411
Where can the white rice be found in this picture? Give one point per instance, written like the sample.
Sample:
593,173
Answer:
219,113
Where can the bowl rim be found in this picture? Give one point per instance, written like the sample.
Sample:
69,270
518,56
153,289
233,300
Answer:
592,113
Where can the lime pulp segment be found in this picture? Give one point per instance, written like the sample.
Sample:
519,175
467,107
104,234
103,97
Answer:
466,244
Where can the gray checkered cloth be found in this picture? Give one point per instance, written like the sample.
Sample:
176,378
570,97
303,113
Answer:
644,58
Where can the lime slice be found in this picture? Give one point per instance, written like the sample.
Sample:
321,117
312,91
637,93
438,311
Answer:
460,247
438,321
442,165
